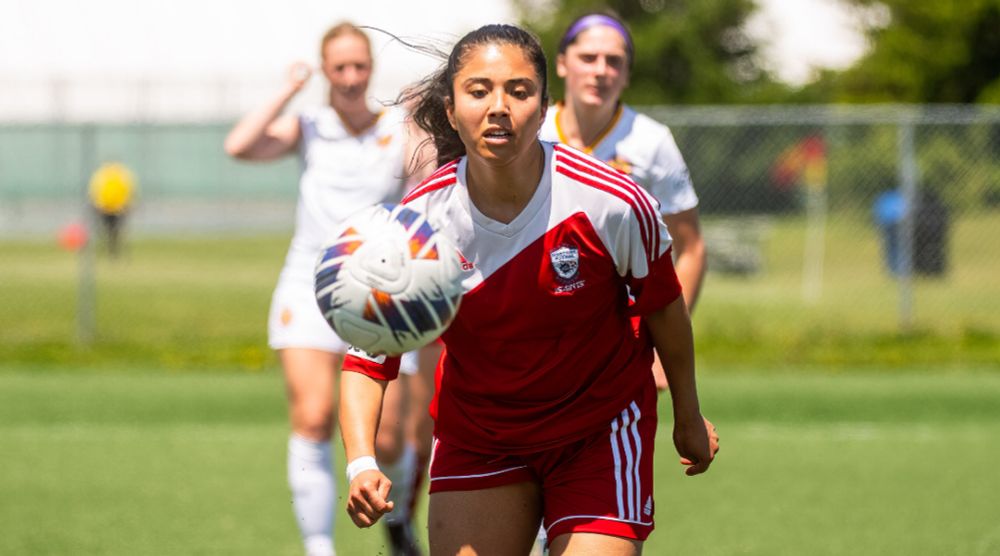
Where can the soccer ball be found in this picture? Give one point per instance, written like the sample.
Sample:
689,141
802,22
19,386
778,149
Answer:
388,282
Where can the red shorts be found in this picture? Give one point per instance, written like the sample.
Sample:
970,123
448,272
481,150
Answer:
600,484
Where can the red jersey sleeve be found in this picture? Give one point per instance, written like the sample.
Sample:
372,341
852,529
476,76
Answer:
657,289
644,255
379,367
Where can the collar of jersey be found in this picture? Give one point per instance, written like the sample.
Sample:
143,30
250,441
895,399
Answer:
331,126
538,200
589,149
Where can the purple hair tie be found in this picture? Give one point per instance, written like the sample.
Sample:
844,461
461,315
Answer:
593,20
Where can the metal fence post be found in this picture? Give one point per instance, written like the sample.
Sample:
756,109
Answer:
86,290
908,188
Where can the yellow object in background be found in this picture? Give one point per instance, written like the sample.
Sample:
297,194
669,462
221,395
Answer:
111,188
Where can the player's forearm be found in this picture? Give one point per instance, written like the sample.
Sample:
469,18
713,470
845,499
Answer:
670,329
690,268
252,127
360,409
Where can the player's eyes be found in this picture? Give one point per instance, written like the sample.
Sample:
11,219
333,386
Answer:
588,58
616,62
477,93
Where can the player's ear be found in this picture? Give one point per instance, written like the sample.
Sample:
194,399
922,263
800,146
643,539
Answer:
449,109
561,66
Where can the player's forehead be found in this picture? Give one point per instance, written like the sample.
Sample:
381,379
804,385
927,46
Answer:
346,48
599,39
496,61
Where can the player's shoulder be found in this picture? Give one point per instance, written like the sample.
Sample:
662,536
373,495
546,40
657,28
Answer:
645,128
591,177
320,121
315,113
440,180
548,130
392,116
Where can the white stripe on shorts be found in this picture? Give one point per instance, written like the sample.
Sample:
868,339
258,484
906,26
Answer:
626,445
478,475
430,465
604,517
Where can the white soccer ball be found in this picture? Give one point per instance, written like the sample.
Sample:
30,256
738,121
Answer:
388,282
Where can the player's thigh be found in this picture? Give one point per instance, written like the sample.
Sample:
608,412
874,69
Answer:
497,521
579,544
310,383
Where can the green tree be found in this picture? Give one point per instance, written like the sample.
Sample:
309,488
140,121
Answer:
687,52
940,52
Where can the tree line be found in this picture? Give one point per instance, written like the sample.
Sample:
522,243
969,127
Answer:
699,52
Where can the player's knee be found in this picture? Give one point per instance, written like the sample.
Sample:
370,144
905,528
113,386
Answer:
312,422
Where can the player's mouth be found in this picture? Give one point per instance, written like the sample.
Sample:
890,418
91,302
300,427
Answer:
498,136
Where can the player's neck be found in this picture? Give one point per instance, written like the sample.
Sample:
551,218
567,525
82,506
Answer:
583,125
356,116
501,192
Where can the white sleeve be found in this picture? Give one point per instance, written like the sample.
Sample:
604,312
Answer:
641,239
669,179
648,267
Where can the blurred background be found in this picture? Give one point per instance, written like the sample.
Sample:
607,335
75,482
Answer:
847,158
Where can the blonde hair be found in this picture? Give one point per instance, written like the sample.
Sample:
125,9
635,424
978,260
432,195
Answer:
339,30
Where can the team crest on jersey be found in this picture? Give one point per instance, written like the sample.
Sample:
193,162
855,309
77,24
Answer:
566,262
384,140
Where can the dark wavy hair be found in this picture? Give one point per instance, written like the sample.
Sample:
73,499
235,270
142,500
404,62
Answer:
429,96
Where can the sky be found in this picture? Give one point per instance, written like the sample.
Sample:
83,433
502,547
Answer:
78,58
801,35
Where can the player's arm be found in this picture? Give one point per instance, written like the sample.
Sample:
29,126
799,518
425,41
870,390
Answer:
690,266
360,410
670,182
670,329
265,134
685,267
689,246
659,301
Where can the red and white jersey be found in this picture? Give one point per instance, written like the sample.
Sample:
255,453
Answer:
542,351
641,147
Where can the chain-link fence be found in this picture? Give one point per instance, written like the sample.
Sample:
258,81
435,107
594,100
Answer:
820,221
847,218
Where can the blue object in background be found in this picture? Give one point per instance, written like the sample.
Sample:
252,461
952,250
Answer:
889,209
931,225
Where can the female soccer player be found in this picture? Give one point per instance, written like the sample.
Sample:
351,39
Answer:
352,157
546,406
594,60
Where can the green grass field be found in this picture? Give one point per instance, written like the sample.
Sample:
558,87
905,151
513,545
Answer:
147,462
841,432
192,302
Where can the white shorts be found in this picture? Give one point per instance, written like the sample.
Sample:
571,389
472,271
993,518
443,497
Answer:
295,320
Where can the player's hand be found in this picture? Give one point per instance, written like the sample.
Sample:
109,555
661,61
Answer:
713,437
366,501
692,440
298,75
